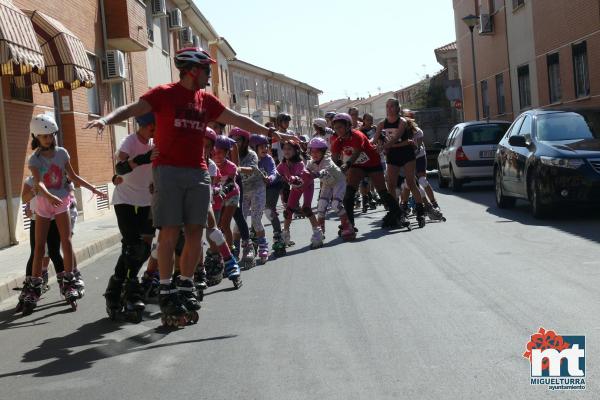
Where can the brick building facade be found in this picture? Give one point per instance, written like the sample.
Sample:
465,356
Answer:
529,53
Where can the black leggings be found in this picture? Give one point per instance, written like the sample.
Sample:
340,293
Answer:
238,217
53,243
271,206
134,223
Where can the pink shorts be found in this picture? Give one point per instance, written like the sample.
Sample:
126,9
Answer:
44,209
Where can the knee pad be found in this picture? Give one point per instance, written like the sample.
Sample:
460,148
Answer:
424,182
216,236
137,253
307,212
338,206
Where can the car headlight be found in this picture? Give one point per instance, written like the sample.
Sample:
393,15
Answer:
571,163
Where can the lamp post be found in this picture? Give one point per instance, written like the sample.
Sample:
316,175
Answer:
247,93
471,21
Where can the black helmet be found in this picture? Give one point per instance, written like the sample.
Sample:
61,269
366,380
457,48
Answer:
330,114
283,117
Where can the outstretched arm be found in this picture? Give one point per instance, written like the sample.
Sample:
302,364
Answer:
136,109
231,117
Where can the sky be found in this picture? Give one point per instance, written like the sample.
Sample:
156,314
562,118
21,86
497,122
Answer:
344,48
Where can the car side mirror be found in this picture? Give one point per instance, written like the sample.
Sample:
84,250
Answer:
438,146
517,141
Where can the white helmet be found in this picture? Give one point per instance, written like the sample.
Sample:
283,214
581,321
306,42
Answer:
320,122
43,124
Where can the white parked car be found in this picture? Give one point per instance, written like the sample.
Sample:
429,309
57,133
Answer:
469,152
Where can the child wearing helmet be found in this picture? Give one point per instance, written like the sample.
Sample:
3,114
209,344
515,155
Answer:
230,199
333,185
282,124
273,182
50,166
253,197
293,172
359,159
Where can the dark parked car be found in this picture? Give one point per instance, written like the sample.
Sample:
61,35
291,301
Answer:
550,157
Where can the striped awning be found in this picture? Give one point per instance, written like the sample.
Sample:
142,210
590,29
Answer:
20,52
67,63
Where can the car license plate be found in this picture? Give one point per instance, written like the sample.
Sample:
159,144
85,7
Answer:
487,154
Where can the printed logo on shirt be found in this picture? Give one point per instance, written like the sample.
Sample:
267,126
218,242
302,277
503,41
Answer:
557,362
362,158
190,117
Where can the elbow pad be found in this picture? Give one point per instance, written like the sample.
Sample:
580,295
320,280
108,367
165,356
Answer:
123,167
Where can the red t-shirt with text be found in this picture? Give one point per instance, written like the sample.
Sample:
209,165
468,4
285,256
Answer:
368,153
181,117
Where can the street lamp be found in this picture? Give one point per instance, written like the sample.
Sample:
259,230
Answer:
471,21
247,93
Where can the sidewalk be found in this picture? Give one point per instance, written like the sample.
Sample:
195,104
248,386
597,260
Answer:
91,237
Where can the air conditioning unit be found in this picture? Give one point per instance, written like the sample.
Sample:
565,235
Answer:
175,19
196,41
159,8
486,25
114,67
186,37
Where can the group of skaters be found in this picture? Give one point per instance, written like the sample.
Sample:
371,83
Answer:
182,174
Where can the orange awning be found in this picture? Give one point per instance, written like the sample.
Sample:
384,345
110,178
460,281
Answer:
67,63
20,52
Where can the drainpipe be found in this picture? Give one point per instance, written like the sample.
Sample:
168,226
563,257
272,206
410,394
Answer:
6,167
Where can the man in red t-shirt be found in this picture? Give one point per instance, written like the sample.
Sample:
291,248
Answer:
358,158
181,181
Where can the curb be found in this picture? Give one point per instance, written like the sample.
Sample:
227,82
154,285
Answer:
82,255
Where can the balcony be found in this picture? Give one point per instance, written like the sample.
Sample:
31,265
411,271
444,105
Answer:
126,27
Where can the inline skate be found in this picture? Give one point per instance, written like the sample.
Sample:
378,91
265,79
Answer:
173,312
278,245
263,250
232,270
248,260
316,241
187,295
214,268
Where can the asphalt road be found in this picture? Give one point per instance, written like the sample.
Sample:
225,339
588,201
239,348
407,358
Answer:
443,312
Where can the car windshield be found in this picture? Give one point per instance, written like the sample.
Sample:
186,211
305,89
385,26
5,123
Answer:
483,134
568,126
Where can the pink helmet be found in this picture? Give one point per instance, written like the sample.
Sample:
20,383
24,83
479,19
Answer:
343,117
257,140
317,143
224,143
239,132
210,134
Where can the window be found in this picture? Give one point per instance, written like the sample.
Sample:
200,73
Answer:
92,93
554,77
514,130
526,127
117,94
21,94
164,36
149,21
227,80
517,3
500,99
222,78
495,5
524,86
580,69
485,103
477,135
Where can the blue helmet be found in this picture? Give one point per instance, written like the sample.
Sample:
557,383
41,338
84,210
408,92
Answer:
146,119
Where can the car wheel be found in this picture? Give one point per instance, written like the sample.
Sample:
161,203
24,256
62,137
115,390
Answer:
442,182
502,201
538,209
455,183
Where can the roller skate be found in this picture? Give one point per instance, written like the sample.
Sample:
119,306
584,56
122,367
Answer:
213,267
79,283
322,226
316,241
287,238
278,245
173,313
395,219
420,209
112,294
298,215
187,295
348,231
434,213
32,292
248,260
341,229
254,240
235,249
132,301
150,283
200,282
70,291
45,286
232,270
372,202
263,250
365,204
60,278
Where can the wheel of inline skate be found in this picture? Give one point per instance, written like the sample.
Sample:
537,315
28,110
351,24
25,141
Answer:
136,316
193,317
28,309
73,305
237,283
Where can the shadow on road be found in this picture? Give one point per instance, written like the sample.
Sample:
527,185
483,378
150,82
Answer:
64,359
579,221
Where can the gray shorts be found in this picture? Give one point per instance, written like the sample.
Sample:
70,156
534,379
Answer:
181,196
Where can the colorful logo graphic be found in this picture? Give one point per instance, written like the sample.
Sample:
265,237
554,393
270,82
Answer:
557,361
